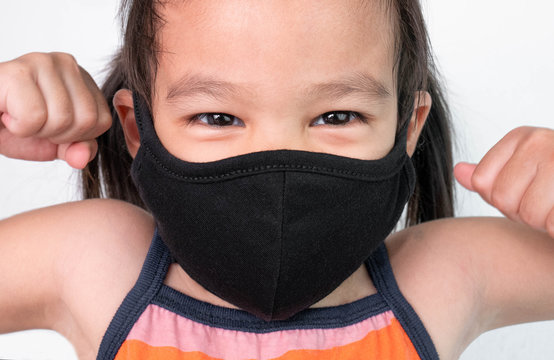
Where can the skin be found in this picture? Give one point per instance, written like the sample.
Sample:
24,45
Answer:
272,108
458,274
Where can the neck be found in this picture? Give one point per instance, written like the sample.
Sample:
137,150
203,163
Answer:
355,287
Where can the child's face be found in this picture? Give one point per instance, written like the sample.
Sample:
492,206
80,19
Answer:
275,67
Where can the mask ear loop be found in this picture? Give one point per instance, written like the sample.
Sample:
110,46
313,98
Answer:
149,136
145,126
371,169
402,135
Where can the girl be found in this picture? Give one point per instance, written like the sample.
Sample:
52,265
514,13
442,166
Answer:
292,88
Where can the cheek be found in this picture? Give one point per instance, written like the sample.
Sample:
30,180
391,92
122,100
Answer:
197,143
174,138
365,141
378,139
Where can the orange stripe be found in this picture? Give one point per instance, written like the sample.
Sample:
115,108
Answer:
389,343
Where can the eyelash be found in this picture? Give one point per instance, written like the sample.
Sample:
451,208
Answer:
352,115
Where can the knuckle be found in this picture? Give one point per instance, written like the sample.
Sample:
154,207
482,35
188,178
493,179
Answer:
529,214
67,61
16,71
36,117
61,116
105,122
62,121
542,137
43,60
32,122
63,57
502,201
521,130
86,121
516,134
537,140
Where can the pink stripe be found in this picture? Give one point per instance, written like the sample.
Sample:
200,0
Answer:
160,327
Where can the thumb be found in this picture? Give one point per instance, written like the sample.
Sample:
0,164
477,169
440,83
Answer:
78,154
463,172
5,120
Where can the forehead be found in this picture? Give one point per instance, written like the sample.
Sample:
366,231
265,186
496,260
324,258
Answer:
275,43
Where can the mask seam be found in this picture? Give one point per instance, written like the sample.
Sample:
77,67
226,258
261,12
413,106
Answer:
332,172
327,171
281,241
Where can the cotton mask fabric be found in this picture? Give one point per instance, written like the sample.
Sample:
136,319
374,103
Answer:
271,232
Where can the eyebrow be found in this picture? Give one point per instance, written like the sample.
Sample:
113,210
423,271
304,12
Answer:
359,84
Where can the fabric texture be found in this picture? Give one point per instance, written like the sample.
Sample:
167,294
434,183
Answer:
158,322
271,232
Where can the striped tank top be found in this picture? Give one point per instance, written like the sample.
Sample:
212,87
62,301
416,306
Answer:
157,322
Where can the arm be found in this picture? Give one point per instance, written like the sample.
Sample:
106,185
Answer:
516,264
68,267
515,258
50,108
465,276
30,290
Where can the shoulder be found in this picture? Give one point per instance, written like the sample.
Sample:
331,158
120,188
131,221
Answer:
76,231
96,249
108,246
99,232
86,214
458,273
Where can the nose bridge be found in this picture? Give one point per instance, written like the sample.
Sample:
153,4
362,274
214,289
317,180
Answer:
278,133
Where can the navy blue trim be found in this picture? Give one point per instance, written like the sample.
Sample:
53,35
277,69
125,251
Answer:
382,275
239,320
149,289
147,286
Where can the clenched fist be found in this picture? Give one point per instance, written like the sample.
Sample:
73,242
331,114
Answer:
50,109
517,177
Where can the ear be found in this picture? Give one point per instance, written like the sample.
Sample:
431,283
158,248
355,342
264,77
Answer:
422,107
123,104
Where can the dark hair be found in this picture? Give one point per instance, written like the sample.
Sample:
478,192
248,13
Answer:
135,66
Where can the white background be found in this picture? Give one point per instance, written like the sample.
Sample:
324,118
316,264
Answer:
496,55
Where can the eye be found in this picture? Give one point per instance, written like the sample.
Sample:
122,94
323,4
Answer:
339,118
217,119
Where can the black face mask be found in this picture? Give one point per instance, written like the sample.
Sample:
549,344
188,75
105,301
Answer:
271,232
